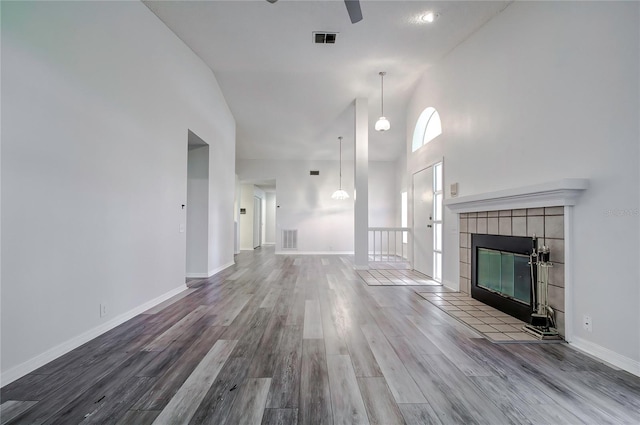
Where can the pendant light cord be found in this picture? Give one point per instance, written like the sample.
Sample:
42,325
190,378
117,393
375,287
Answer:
340,162
382,95
382,74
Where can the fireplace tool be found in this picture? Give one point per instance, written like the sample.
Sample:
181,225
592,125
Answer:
543,325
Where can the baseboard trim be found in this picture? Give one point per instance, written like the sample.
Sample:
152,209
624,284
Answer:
293,252
219,269
211,272
197,275
42,359
606,355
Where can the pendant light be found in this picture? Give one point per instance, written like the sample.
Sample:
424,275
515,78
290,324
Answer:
340,194
383,123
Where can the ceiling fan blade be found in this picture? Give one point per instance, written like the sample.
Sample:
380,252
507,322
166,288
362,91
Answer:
353,7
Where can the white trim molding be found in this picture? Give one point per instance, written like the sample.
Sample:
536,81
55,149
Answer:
211,272
564,192
294,252
222,267
42,359
606,355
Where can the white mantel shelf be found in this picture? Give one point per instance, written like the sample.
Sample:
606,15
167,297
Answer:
557,193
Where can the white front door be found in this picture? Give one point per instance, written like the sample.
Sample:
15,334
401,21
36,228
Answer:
423,221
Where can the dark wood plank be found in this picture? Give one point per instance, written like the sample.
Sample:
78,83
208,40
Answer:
218,402
172,379
315,394
10,409
114,405
264,362
249,406
280,417
285,383
138,417
186,400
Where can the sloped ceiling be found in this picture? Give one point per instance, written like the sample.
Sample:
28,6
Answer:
292,98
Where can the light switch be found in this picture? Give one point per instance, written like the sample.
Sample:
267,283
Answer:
181,227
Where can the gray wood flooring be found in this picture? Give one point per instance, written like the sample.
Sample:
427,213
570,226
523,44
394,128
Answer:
303,340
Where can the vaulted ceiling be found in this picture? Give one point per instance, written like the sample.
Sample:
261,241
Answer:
292,98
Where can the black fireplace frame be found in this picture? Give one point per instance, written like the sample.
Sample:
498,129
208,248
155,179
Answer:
513,244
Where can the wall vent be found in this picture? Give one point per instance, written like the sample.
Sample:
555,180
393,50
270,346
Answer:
290,239
314,173
324,37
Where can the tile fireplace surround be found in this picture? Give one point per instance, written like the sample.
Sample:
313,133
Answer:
546,223
545,210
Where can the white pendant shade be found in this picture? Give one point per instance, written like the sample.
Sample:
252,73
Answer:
340,195
382,124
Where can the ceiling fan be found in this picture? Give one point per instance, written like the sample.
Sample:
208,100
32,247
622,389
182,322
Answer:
353,7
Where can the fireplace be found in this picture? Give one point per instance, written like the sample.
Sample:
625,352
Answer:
500,273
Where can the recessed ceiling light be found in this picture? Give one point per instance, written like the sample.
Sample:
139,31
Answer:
429,17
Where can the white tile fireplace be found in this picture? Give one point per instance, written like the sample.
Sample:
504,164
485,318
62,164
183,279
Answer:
544,210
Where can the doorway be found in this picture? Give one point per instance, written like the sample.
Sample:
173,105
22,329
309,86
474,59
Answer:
423,221
197,207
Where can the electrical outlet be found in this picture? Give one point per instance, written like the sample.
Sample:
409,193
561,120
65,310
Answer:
103,310
586,323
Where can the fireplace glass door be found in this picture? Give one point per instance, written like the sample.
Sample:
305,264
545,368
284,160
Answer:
506,273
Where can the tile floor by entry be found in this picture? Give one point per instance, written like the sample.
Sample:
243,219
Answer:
493,324
395,278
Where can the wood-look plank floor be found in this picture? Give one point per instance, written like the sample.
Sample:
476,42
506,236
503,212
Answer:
303,340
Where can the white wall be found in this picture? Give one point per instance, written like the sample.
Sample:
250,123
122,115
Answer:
324,224
544,91
382,194
197,211
270,222
97,100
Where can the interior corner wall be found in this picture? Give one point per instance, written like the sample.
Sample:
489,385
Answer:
523,103
270,222
97,101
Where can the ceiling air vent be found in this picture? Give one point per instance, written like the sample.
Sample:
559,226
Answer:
314,173
324,37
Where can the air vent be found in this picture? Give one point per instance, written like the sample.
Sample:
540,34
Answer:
325,37
290,239
314,173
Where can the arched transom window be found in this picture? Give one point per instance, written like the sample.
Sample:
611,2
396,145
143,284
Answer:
428,128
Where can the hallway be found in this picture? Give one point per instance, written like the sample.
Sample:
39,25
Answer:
302,339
